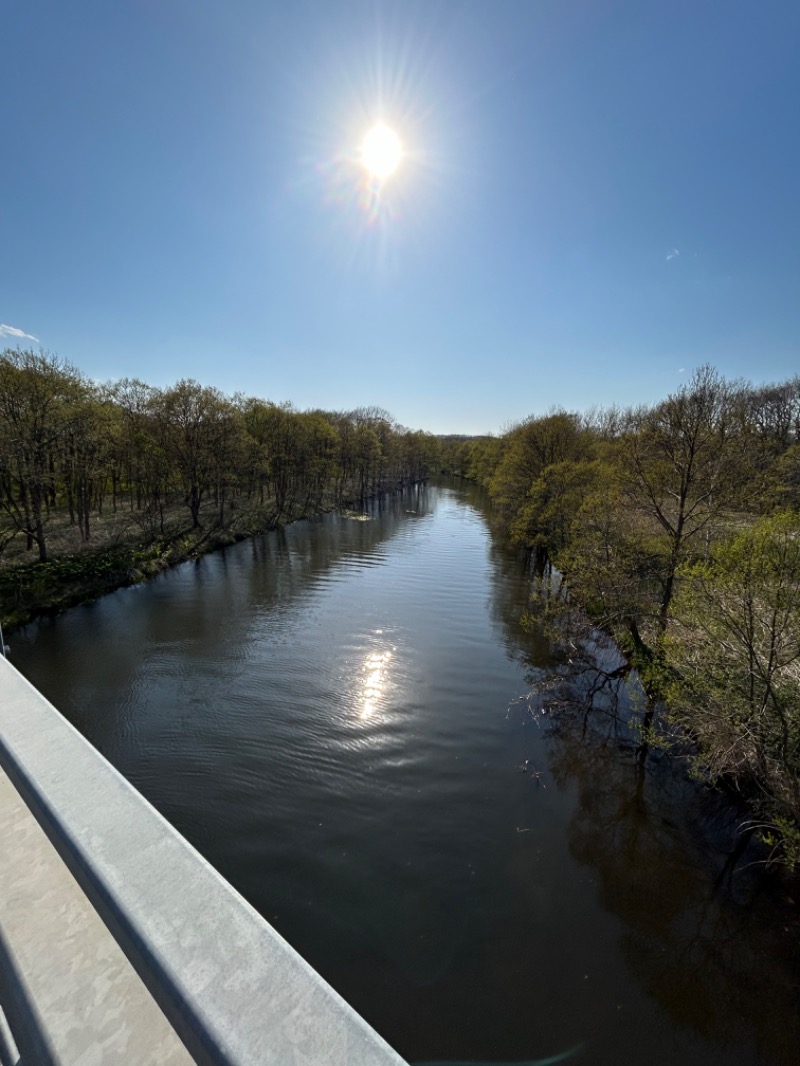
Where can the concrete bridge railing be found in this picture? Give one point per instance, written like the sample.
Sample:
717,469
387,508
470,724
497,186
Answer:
232,989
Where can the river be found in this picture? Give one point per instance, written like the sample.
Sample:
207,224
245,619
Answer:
338,716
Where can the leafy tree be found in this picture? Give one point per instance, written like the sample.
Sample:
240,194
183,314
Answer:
366,459
194,424
41,400
532,446
316,446
612,558
773,412
485,455
256,420
679,463
546,518
453,454
735,652
138,461
783,479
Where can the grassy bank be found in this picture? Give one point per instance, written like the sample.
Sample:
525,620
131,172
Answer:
117,556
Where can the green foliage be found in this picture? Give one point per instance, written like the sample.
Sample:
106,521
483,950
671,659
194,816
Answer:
531,448
654,517
43,402
782,481
735,650
484,456
545,518
161,460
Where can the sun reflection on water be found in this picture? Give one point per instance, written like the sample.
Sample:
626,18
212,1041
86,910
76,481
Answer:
374,682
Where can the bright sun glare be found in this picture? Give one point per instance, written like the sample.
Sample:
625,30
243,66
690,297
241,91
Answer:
381,151
374,681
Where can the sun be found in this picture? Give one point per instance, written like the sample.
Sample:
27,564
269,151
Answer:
381,152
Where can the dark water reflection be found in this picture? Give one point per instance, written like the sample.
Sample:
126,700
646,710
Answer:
336,716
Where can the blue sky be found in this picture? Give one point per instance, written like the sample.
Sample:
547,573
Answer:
596,196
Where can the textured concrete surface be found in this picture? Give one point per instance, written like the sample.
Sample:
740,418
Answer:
231,987
83,992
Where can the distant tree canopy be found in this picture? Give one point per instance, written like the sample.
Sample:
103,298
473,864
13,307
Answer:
69,445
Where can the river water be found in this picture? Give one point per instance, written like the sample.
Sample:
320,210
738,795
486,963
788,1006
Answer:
339,717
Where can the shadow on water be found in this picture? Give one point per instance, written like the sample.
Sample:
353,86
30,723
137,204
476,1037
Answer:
707,929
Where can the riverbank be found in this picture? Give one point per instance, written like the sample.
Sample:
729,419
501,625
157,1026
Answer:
118,557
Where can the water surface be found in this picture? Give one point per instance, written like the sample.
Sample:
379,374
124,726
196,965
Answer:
335,716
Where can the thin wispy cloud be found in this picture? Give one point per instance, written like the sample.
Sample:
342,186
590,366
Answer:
12,331
673,254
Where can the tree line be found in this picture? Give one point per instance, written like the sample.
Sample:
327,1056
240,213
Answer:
675,526
72,450
676,529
